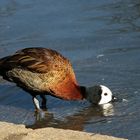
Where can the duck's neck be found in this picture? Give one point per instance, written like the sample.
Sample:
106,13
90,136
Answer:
92,94
83,92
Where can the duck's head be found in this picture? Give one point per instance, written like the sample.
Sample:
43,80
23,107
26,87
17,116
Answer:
99,94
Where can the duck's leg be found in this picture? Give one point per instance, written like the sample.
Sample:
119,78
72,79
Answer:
43,103
39,113
36,103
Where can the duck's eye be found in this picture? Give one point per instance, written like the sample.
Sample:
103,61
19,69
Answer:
105,94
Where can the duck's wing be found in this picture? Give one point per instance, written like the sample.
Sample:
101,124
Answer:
42,69
39,60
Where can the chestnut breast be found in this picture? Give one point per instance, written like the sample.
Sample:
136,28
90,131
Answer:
42,70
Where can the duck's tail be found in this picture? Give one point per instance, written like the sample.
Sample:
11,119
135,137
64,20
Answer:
3,60
3,64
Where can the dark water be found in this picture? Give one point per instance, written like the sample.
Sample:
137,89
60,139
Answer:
102,40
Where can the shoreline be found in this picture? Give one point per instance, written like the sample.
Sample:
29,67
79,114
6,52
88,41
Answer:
10,131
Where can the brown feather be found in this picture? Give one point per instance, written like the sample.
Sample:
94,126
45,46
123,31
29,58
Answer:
41,70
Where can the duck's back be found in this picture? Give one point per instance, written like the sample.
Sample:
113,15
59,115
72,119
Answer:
41,70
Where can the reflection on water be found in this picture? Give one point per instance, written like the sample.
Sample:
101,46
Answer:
76,121
108,109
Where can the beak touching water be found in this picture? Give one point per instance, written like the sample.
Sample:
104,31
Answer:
114,99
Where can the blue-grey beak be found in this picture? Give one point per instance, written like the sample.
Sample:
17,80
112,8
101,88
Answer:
114,99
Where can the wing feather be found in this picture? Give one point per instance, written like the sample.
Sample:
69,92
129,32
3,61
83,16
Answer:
38,60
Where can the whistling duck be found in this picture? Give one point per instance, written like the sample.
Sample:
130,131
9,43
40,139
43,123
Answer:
42,71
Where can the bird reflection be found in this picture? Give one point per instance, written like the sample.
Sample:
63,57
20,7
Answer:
107,109
76,121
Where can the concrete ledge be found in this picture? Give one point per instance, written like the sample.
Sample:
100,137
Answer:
9,131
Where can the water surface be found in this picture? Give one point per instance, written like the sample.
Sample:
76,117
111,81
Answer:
101,38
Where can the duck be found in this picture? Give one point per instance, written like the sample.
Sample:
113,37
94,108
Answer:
43,71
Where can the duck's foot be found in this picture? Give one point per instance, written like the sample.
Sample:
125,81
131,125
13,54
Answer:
40,114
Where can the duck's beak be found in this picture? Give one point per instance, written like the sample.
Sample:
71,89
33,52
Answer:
114,99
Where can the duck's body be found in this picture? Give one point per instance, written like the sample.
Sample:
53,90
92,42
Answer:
42,71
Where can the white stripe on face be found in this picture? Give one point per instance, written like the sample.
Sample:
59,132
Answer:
106,95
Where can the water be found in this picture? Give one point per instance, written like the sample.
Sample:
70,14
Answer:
101,38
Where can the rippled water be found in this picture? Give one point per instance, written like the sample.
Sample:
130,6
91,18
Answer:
102,40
